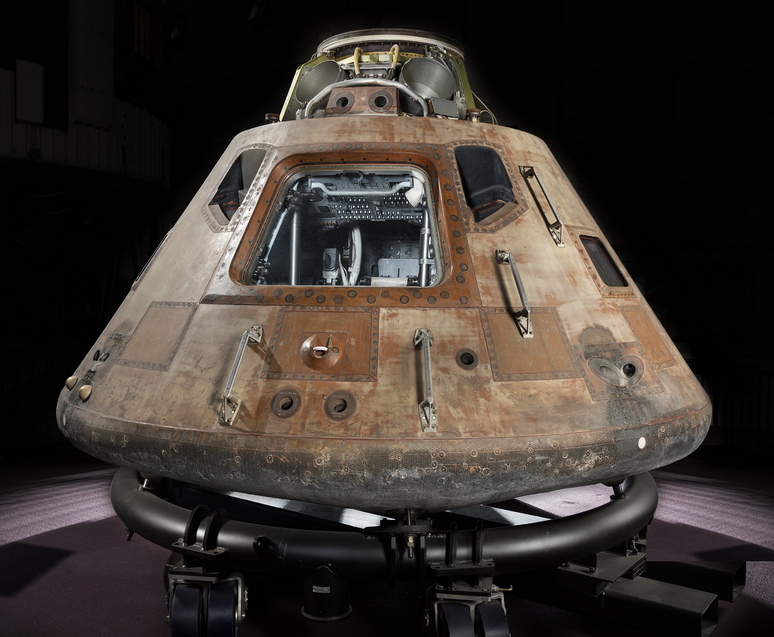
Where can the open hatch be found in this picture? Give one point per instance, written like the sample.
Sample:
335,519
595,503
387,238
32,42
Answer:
365,226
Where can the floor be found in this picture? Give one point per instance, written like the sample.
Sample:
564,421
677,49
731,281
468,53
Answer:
67,569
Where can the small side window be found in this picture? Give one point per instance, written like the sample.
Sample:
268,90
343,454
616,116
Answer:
608,271
237,181
484,180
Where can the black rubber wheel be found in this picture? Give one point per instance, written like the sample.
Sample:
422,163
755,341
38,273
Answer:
221,610
454,620
491,620
186,611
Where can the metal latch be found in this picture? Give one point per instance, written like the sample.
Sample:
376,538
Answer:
523,320
428,409
557,227
229,410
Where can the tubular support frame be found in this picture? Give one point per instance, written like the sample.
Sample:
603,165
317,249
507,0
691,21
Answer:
424,260
366,555
321,185
295,229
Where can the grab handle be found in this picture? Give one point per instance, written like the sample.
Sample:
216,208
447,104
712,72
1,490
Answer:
428,408
557,227
229,410
523,320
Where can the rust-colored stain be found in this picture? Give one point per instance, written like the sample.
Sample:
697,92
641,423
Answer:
646,333
544,356
355,333
362,100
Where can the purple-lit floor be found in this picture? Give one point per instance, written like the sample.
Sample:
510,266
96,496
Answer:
66,569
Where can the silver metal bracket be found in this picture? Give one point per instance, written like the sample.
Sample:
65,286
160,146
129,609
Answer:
229,410
557,227
523,320
428,408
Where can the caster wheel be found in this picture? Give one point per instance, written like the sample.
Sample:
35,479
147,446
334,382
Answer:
491,620
186,611
454,621
221,610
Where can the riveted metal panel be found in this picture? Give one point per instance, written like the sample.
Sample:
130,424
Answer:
544,356
647,334
158,336
354,331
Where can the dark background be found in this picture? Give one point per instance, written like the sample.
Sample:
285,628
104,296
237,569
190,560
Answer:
659,112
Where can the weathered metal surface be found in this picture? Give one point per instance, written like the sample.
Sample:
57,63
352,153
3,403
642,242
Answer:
515,359
363,100
158,336
532,414
351,355
647,333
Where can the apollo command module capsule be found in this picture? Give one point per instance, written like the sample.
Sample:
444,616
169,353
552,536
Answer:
381,300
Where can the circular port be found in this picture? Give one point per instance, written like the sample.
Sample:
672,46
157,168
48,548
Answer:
285,403
340,405
342,102
632,369
467,359
380,101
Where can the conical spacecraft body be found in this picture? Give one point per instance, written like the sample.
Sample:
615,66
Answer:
381,299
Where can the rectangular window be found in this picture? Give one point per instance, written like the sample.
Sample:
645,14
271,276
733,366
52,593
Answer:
236,182
608,271
365,226
484,180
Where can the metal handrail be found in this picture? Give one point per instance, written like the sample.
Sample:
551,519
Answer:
523,319
557,228
229,410
428,408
